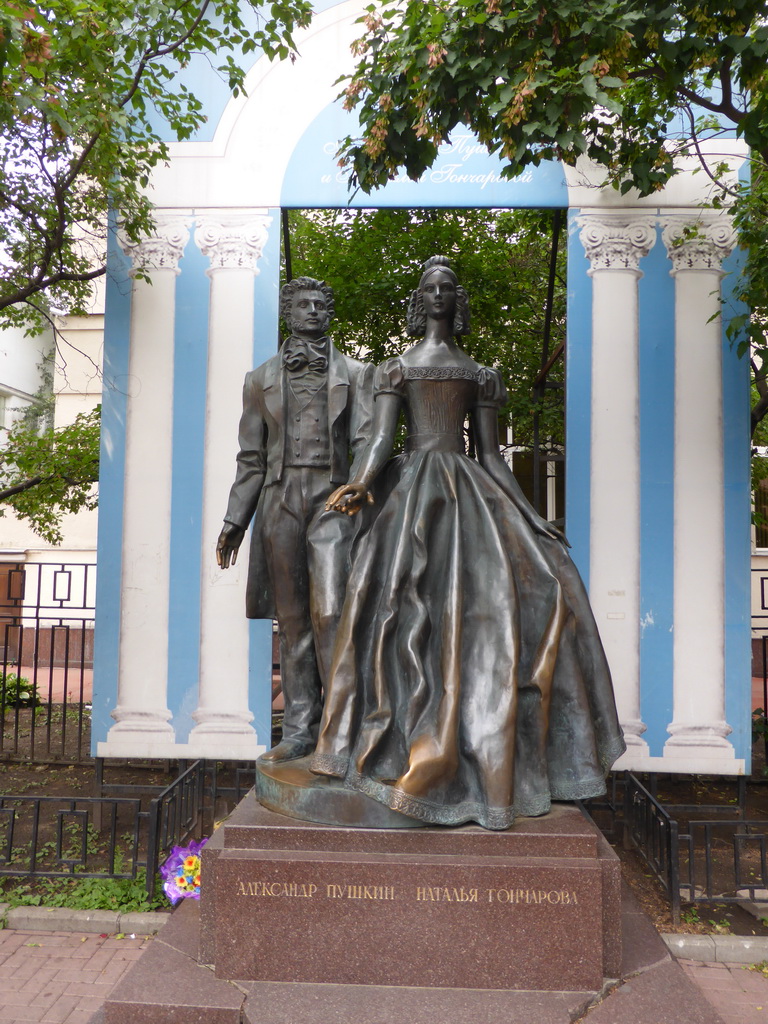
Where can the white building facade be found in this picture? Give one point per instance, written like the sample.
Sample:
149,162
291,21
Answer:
70,367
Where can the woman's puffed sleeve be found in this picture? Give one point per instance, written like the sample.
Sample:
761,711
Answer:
389,379
490,389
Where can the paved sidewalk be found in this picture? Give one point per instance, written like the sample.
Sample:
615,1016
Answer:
739,995
60,977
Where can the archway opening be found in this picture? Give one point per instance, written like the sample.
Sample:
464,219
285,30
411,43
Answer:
512,263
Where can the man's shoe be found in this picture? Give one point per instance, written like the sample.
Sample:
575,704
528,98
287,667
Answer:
288,750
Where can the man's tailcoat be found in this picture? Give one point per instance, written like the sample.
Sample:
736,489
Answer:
264,437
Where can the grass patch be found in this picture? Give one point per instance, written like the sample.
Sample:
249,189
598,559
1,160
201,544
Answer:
126,895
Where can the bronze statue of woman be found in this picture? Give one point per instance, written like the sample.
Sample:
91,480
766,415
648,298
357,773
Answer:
468,679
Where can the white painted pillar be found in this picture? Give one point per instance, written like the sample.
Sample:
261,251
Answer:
234,244
142,726
696,246
615,244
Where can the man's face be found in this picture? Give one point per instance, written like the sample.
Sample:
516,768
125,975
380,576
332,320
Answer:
309,314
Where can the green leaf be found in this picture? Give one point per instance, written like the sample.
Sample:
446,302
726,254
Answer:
590,86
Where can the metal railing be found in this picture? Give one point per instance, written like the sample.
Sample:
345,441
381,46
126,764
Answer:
654,834
55,837
761,714
759,589
698,861
46,660
103,836
707,845
701,861
243,780
175,816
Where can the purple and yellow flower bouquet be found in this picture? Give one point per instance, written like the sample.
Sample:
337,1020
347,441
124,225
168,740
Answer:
181,872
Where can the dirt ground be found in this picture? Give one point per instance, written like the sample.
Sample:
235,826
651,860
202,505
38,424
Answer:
57,778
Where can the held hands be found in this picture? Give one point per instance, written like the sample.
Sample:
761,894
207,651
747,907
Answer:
227,546
348,499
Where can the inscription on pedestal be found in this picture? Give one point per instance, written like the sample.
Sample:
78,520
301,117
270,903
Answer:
276,889
349,918
555,897
419,893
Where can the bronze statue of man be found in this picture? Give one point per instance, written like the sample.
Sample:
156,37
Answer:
306,417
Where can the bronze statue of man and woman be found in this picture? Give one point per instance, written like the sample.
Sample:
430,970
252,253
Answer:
438,651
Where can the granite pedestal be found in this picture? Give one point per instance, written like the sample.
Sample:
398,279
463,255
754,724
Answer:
305,924
536,907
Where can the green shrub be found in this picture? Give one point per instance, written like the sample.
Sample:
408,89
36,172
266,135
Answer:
17,692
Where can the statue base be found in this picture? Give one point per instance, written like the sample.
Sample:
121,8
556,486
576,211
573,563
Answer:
290,901
289,787
303,923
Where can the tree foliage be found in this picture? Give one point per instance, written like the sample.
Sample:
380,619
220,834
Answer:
89,95
628,84
46,472
554,80
373,259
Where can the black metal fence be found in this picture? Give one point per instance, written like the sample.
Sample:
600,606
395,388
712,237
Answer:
697,860
46,660
759,602
117,836
760,669
103,836
654,834
709,847
46,652
175,816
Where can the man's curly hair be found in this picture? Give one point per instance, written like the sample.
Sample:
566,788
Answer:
304,284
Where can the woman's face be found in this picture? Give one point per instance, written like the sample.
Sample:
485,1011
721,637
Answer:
439,294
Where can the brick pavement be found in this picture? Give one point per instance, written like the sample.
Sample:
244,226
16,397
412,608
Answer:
739,995
60,977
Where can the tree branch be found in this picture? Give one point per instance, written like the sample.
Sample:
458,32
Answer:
26,485
22,294
757,414
760,380
726,85
59,339
725,107
150,55
702,159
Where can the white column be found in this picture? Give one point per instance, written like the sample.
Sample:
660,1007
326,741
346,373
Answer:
234,244
142,726
696,246
615,245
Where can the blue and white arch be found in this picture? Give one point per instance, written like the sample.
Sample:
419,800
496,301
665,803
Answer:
657,471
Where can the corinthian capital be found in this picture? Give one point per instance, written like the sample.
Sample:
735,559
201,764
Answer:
232,242
698,243
163,249
616,242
